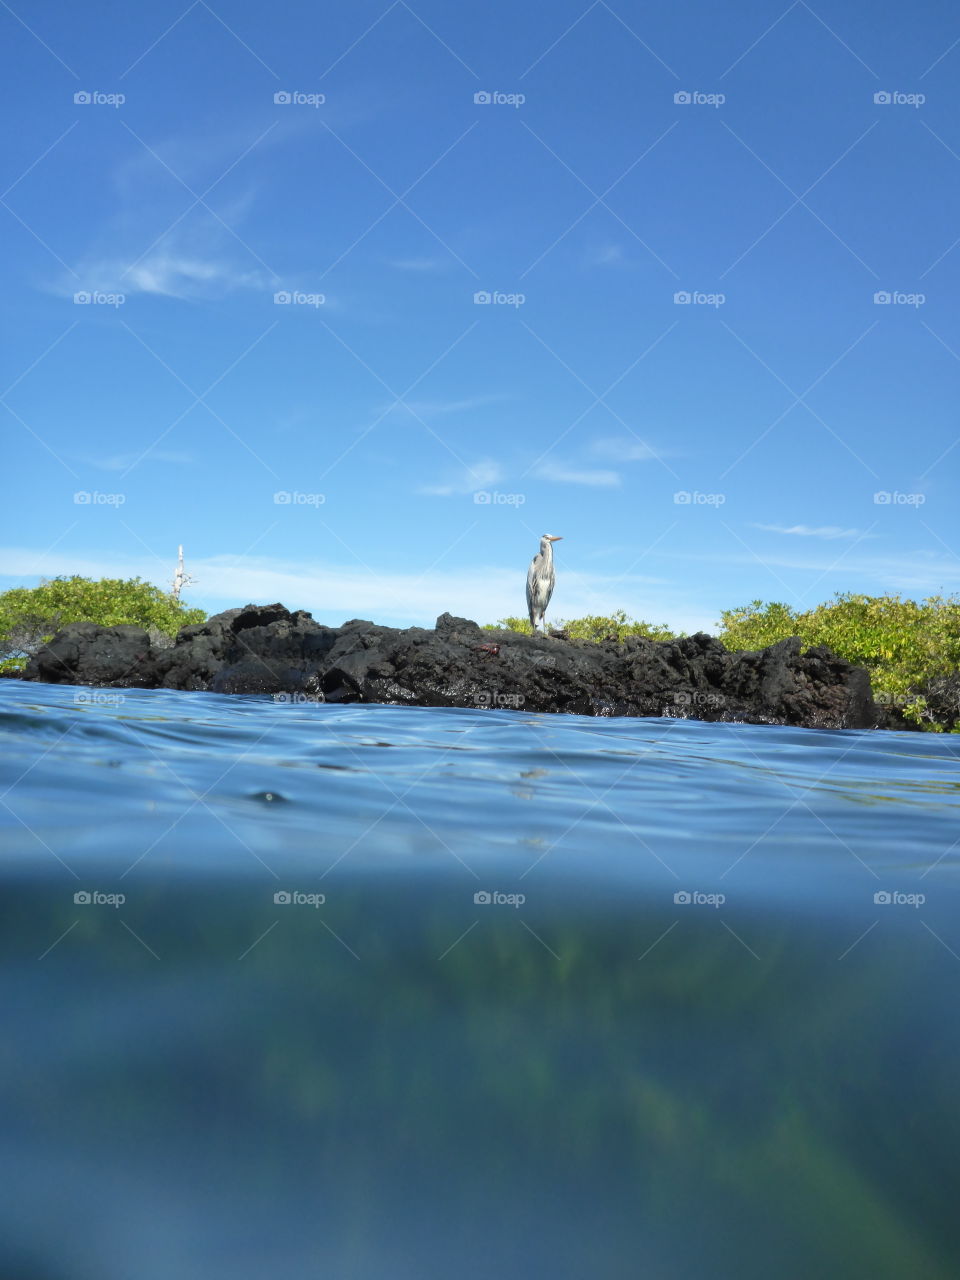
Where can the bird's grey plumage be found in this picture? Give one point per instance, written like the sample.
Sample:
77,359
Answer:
541,579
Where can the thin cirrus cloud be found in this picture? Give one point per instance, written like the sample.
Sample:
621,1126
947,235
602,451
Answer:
418,264
437,408
562,473
829,532
123,461
606,255
476,476
168,274
625,449
149,245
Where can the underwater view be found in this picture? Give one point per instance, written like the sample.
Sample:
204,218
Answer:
377,992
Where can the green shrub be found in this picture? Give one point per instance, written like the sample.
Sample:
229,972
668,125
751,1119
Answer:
757,624
904,644
594,627
30,616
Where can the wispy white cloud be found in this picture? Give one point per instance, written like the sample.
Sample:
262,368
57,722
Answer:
123,461
177,277
922,572
563,473
436,408
165,272
148,246
606,255
829,532
625,449
479,475
418,264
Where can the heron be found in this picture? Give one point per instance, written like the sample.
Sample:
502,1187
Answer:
540,580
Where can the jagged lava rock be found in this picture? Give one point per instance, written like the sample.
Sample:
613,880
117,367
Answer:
267,649
84,653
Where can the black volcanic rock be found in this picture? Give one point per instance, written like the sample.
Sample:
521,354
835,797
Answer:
267,649
84,653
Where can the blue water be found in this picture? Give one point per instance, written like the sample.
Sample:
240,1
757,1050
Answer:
377,992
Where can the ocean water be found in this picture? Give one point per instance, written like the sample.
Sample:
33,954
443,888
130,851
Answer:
380,993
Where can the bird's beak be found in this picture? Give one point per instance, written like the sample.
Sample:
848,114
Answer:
557,538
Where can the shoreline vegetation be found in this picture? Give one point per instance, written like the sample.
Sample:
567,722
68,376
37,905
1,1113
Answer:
911,649
31,616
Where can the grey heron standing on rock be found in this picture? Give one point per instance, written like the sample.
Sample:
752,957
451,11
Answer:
540,580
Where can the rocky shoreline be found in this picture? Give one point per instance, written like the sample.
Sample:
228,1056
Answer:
266,649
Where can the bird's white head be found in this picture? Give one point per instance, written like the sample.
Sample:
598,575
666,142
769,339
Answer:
546,547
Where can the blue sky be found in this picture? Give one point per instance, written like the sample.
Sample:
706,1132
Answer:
786,168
